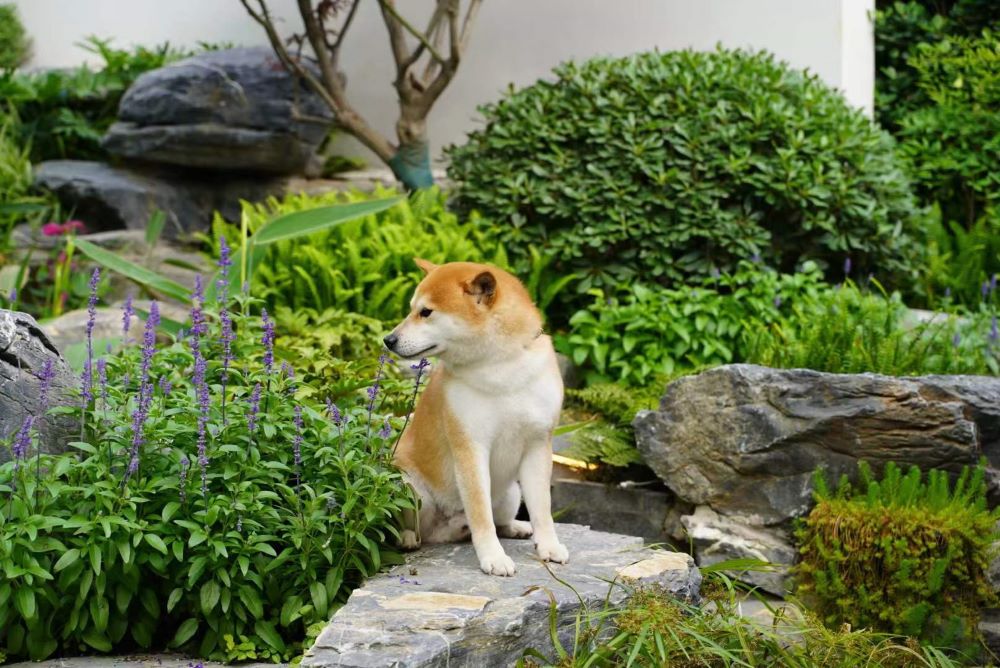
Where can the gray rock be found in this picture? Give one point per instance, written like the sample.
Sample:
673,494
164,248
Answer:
107,197
745,440
605,507
235,109
133,661
717,538
440,610
24,350
69,329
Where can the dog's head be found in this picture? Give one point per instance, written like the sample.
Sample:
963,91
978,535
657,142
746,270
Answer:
463,312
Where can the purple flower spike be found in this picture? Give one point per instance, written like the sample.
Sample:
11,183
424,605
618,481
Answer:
947,293
777,301
88,365
102,378
755,258
993,283
847,266
141,412
166,387
994,331
22,442
12,296
128,311
386,431
226,334
333,412
956,339
254,408
45,378
268,341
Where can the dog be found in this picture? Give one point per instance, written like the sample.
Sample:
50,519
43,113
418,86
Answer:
481,434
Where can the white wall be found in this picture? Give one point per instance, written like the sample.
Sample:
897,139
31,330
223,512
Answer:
515,41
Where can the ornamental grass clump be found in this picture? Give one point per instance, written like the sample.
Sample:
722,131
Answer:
204,503
906,554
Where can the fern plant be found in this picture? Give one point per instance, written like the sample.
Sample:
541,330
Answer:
906,554
609,439
366,266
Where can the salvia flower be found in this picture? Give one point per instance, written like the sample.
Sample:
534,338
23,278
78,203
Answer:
141,412
994,335
333,412
777,301
847,266
373,390
386,431
202,394
254,408
755,258
226,334
102,378
166,387
268,341
128,311
45,378
88,365
12,295
956,339
22,442
993,283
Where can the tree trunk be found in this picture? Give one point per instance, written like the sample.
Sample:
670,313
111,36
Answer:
412,161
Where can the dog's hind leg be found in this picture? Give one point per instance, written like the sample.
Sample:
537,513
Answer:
504,512
409,534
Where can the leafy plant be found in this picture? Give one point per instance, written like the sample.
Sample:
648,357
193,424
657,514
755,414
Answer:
847,330
365,266
610,440
654,331
664,166
952,146
17,202
959,261
207,497
656,629
906,554
15,45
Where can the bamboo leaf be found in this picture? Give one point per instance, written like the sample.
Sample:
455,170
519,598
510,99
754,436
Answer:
302,223
145,277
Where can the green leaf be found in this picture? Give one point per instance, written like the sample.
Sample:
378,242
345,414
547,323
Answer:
185,631
24,601
97,640
156,542
302,223
269,634
155,227
318,594
174,598
68,559
169,509
145,277
209,596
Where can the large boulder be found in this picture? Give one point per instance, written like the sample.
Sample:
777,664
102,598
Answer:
745,440
24,350
438,609
108,198
236,109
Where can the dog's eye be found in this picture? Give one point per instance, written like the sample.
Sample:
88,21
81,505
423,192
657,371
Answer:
426,312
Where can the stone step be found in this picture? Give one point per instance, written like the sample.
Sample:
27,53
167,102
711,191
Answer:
439,609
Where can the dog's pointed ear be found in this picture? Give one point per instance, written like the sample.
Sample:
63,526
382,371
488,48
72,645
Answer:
483,287
426,266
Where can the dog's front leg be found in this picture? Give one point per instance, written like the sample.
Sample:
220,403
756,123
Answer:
536,480
472,473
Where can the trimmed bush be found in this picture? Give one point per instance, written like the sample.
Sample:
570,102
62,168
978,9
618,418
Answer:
905,555
15,45
662,166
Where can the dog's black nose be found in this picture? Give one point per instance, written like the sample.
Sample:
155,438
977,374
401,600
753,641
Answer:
391,341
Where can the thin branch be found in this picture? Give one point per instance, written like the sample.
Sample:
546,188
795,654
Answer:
387,6
470,18
432,29
314,30
335,47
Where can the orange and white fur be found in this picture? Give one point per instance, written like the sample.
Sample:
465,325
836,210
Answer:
480,435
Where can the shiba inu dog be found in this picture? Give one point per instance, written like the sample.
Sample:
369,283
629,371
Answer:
480,435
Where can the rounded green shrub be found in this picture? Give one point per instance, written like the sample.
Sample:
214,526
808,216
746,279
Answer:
667,165
15,46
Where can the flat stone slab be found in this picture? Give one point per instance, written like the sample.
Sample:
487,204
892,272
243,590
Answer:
439,609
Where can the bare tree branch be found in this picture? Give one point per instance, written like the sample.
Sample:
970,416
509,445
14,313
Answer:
388,6
335,48
432,30
345,115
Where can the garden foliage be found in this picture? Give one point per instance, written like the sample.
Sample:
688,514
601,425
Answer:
659,167
850,330
656,629
211,503
906,554
641,332
15,45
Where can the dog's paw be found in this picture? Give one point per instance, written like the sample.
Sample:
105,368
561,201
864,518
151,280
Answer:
497,563
552,551
516,529
409,540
